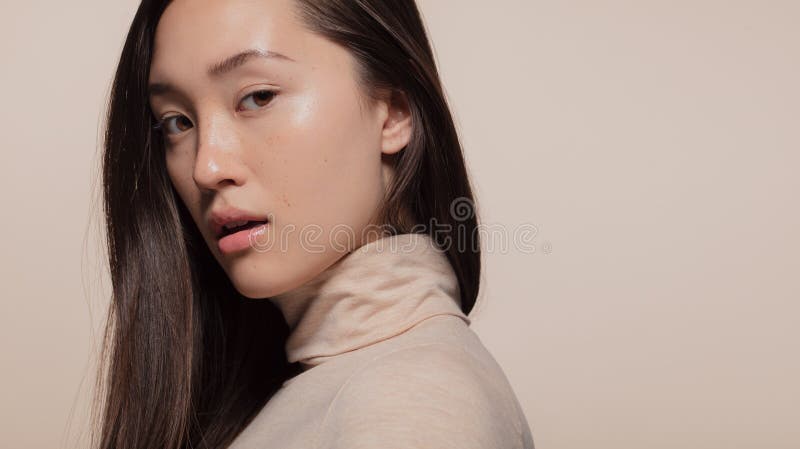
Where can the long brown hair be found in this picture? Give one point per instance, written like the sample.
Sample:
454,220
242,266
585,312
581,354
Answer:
189,361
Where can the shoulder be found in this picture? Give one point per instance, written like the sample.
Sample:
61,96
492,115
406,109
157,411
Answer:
432,395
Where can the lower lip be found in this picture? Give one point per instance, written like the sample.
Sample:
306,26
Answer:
240,240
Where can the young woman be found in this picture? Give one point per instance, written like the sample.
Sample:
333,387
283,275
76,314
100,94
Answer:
291,241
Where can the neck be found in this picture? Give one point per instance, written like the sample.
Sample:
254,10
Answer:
373,293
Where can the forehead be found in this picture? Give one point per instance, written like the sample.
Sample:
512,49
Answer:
195,34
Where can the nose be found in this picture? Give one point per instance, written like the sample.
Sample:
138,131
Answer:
218,160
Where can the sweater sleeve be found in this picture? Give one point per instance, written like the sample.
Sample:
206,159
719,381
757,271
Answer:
432,396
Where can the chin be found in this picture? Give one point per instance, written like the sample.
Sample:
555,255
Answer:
267,274
254,278
255,288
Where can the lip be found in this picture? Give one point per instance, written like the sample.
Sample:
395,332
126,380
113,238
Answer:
224,215
238,241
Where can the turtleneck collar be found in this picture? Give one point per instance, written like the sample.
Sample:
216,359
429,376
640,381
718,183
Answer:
370,294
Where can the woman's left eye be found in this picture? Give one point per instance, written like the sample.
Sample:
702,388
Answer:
257,99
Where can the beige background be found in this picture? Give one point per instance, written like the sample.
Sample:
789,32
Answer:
652,145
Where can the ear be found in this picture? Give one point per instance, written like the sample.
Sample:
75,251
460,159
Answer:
396,131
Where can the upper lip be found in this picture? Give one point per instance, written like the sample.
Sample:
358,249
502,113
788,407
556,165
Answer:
224,215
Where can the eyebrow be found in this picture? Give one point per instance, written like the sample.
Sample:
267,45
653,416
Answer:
225,66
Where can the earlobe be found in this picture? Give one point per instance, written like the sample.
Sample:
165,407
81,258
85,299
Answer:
397,126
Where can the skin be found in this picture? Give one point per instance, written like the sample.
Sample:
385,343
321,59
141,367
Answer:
311,155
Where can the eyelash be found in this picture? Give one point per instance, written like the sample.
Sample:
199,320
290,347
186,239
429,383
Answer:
159,125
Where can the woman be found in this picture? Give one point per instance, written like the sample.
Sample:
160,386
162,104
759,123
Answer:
291,262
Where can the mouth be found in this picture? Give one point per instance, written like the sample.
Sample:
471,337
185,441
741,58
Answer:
238,226
238,236
235,229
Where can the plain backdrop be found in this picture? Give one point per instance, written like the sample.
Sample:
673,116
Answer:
652,147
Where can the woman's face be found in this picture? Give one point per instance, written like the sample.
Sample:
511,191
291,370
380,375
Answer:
285,138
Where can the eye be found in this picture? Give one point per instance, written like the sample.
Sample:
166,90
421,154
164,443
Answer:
257,100
174,124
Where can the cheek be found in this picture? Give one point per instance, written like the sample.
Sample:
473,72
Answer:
324,167
179,170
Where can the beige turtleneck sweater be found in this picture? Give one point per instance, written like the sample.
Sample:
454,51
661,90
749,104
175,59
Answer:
389,361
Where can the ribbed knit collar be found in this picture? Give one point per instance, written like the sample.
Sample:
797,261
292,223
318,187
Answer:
371,294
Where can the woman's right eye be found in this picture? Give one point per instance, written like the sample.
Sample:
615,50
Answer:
174,124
